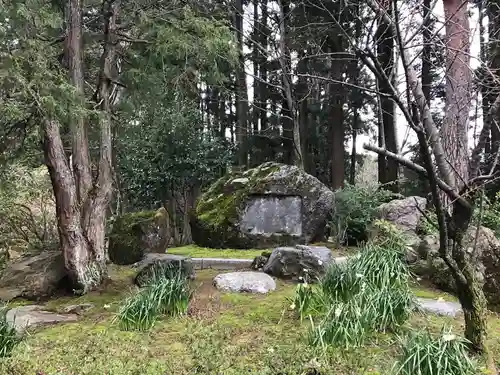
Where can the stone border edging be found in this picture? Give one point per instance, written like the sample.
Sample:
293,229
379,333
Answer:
221,263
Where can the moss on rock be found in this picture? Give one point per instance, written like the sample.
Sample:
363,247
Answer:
134,234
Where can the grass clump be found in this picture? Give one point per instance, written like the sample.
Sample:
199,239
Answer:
167,293
8,335
424,354
367,294
345,325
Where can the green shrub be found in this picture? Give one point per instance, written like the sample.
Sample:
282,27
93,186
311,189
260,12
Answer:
166,294
423,354
8,335
355,209
490,215
28,221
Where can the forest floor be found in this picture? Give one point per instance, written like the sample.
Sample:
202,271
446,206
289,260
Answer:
223,333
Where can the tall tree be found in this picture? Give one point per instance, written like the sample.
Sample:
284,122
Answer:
447,168
81,199
291,125
385,39
241,89
455,126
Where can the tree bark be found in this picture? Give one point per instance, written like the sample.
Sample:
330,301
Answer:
426,51
94,223
336,115
78,130
458,87
72,240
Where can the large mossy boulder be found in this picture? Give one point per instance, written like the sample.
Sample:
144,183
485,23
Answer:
430,266
270,205
33,277
135,234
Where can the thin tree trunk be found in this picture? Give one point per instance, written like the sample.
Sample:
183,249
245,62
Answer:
336,118
95,215
291,136
187,237
426,51
241,90
256,84
352,174
263,96
388,168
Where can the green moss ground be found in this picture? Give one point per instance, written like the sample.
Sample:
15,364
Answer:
194,251
222,334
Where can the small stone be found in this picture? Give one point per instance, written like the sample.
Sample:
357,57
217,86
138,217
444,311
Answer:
78,309
250,282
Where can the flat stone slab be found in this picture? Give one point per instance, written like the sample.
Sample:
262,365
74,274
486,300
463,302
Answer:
30,316
439,307
250,282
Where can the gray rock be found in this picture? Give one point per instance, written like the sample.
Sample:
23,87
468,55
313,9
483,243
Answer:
277,205
439,307
405,213
250,282
167,263
433,268
301,261
78,309
33,277
25,317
